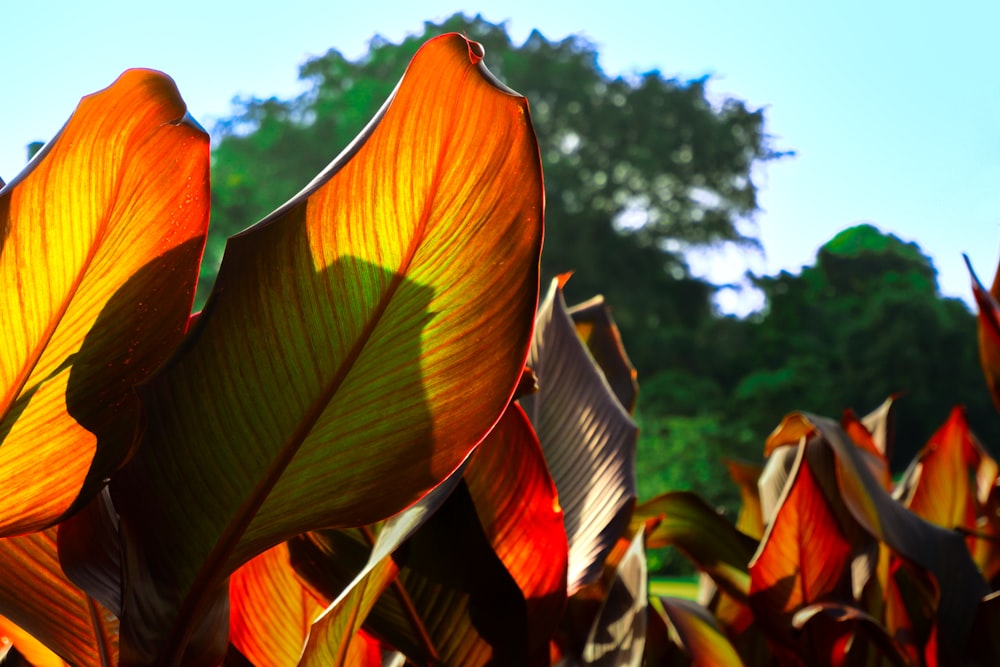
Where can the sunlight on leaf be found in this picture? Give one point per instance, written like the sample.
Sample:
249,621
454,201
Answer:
412,259
803,556
697,632
110,222
588,438
270,609
35,594
516,502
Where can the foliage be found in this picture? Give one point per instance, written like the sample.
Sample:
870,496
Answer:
680,169
371,447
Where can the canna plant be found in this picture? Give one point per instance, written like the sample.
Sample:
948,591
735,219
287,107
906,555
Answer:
359,344
374,447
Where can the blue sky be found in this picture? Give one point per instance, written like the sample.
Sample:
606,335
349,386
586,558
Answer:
894,112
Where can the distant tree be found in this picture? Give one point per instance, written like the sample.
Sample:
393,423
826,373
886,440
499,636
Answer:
637,168
867,320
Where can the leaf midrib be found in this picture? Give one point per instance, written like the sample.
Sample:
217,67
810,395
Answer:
194,601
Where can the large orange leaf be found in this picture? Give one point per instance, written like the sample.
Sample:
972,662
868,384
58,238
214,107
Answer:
358,344
588,438
515,500
940,485
100,240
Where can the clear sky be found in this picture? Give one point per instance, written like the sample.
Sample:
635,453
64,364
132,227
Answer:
893,109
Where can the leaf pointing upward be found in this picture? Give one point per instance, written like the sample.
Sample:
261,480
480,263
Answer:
100,239
328,382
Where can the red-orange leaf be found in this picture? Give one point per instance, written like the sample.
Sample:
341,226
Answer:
517,505
357,346
271,610
109,223
942,553
940,483
989,330
803,557
36,595
871,451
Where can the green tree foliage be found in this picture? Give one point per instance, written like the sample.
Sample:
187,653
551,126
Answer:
867,320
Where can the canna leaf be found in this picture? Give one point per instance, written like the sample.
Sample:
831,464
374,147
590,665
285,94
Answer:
18,648
989,330
618,635
37,596
515,500
940,485
697,632
588,438
412,259
109,223
598,331
803,558
941,553
453,603
871,450
750,520
271,609
709,540
337,638
841,627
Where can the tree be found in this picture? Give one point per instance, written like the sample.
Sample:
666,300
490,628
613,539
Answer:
867,320
637,169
